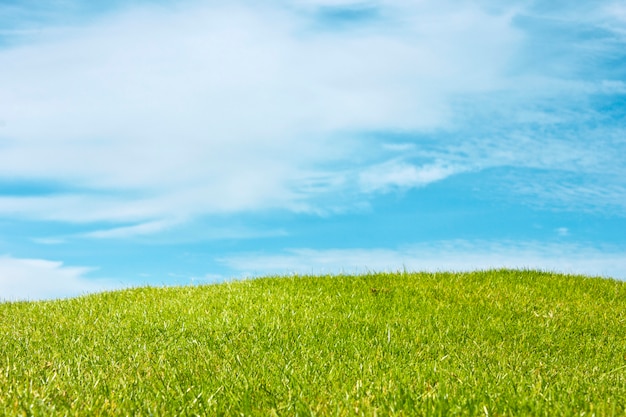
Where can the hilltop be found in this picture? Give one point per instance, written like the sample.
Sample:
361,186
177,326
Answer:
502,342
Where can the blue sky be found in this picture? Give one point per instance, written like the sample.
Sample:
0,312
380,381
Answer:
153,142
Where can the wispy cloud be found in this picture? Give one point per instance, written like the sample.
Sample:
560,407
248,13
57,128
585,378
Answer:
49,240
393,175
170,232
131,231
438,256
35,279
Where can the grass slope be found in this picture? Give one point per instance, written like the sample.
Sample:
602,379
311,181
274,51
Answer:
484,343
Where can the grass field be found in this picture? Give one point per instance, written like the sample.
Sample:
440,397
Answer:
483,343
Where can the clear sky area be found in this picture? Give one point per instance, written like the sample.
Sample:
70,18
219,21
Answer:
191,142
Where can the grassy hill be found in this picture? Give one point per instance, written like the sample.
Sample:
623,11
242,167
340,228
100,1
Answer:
484,343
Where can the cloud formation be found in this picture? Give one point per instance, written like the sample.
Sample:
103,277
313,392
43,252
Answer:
160,113
36,279
393,174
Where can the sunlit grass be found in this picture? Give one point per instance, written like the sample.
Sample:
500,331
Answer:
484,343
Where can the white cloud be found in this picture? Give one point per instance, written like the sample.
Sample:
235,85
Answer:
399,147
562,231
612,86
37,279
614,15
314,4
187,232
222,108
48,240
439,256
131,231
561,193
397,174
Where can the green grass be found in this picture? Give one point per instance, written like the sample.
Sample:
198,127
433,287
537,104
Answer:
494,342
